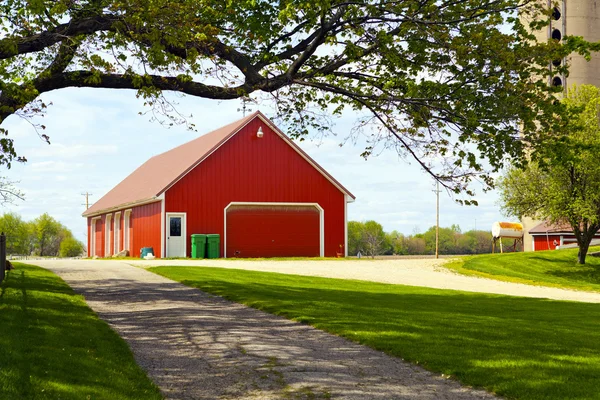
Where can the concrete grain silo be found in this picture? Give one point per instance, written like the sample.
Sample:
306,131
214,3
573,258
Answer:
575,18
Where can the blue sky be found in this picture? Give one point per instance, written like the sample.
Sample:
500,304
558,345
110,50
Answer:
98,138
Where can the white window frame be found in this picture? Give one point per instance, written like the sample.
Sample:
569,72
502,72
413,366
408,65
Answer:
107,232
117,232
126,229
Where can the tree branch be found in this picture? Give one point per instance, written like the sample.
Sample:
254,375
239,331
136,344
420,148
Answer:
11,47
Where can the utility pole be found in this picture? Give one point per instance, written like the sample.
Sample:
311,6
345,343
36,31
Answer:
245,101
87,199
437,220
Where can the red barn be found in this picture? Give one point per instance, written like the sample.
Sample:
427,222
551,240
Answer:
246,181
547,236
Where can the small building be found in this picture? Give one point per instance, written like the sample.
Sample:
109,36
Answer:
547,236
246,181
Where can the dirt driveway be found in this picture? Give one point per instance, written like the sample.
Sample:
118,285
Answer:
197,346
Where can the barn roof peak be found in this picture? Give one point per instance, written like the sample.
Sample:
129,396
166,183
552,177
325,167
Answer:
149,181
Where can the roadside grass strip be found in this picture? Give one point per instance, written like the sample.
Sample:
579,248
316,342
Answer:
520,348
554,268
53,346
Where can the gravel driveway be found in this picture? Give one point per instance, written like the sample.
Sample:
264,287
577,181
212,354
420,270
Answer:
198,346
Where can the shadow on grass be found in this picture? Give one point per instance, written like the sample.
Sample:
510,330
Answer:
581,273
517,347
53,346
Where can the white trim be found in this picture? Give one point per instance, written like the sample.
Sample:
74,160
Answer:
532,243
107,231
126,231
122,206
93,235
346,225
117,232
259,203
162,225
183,230
282,135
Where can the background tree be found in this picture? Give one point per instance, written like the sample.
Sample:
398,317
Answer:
355,237
17,233
416,245
565,185
396,243
70,247
374,238
48,234
440,82
452,240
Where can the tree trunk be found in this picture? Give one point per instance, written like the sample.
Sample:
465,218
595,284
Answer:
583,248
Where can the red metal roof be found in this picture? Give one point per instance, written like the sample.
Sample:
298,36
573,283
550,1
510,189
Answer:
160,172
547,227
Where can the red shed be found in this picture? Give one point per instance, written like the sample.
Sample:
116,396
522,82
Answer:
547,236
246,181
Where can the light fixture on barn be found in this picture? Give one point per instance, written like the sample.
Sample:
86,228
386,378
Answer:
259,133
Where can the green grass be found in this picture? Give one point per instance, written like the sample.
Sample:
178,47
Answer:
52,346
517,347
555,268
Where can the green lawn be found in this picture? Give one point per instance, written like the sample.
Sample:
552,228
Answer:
517,347
557,268
52,346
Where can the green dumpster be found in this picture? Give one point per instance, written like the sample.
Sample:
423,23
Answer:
198,245
213,248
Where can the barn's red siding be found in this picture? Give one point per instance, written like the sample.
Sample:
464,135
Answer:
145,229
252,169
272,231
99,232
543,242
89,237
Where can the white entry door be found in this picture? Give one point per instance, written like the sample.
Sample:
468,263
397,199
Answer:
176,235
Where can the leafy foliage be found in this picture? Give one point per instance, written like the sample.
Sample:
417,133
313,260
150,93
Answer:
70,247
451,240
447,84
564,187
44,236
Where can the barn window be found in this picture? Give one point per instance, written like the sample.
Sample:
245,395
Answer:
175,229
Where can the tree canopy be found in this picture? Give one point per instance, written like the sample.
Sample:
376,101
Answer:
565,186
370,239
44,236
445,83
